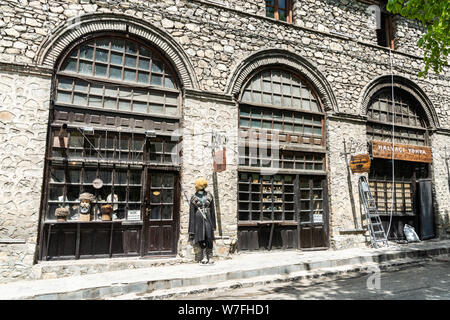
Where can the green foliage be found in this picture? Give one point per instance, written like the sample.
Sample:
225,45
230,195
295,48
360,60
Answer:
434,16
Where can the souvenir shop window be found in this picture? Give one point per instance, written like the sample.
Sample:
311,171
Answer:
382,190
162,196
117,74
266,198
118,186
104,145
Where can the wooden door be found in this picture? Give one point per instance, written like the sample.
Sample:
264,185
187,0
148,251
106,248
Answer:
161,219
312,197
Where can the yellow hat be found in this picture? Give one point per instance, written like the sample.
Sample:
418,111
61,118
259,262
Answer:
200,184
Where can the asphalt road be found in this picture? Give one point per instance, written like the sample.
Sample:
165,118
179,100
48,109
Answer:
429,280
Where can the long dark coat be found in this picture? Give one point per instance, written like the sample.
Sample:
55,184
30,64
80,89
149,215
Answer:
200,228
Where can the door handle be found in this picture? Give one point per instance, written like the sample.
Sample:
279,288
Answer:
146,211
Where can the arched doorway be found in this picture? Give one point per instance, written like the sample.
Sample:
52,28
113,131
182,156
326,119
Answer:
282,188
400,124
115,104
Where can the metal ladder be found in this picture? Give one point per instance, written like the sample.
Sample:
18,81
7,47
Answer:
376,229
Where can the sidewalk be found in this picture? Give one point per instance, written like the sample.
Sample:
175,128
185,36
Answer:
248,268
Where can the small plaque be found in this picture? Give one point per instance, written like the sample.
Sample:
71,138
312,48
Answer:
134,215
317,218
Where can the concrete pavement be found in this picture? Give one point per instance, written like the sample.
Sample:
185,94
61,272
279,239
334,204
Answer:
242,270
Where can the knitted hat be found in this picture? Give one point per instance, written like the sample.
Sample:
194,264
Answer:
61,212
87,196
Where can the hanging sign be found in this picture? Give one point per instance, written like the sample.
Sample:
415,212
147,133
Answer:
220,160
401,152
360,163
219,152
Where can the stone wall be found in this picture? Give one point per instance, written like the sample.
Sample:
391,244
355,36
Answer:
441,185
200,118
345,219
24,103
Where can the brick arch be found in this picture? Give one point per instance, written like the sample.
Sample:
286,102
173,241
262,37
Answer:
293,61
77,28
385,81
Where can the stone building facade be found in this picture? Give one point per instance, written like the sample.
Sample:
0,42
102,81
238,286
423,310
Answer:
213,47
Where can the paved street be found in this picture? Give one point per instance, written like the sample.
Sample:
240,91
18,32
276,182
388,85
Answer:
429,280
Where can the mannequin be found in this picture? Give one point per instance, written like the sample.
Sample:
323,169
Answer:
202,221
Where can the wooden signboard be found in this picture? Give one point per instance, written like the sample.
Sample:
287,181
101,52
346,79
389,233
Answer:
360,163
401,152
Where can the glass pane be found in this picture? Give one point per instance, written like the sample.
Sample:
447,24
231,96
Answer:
144,64
80,99
131,48
167,212
85,67
64,83
130,75
101,55
157,66
156,108
135,177
140,107
134,194
130,61
143,77
156,80
100,70
168,83
86,52
124,105
110,103
115,73
116,58
155,213
117,44
64,97
69,65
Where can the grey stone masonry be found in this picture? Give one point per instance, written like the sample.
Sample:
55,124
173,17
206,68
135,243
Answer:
210,43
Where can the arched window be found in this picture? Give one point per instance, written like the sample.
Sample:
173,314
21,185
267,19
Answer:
410,123
279,108
118,74
116,104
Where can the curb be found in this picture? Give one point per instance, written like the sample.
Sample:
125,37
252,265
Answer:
166,287
306,278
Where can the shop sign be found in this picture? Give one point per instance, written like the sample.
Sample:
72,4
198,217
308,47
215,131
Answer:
360,163
401,152
220,160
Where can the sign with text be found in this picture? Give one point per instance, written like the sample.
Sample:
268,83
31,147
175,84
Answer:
134,215
401,152
360,163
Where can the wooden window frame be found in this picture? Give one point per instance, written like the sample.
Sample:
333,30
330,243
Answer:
410,123
276,8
